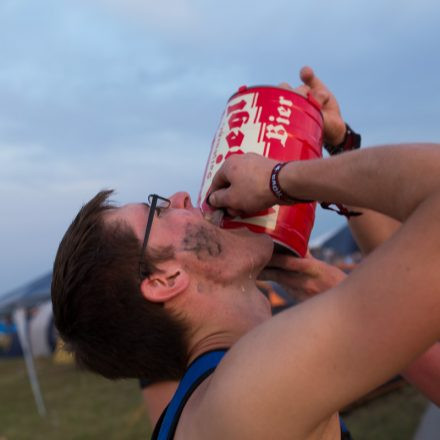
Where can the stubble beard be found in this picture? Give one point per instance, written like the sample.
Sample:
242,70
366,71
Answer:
202,241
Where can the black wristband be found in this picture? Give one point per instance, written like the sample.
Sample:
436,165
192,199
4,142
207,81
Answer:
276,189
352,141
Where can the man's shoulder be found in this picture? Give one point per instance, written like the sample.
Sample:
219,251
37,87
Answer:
235,400
212,413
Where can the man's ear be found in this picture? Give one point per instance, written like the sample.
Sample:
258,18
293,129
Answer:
168,281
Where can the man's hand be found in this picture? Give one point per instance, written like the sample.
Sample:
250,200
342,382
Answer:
242,185
302,278
334,125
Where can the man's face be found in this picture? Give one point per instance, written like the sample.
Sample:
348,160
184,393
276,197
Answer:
183,227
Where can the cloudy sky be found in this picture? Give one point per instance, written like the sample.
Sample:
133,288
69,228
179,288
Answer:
127,94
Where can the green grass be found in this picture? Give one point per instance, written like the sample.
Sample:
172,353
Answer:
80,405
394,416
84,406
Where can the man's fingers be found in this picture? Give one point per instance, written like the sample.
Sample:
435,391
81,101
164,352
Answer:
285,85
309,78
321,96
309,254
306,73
219,181
221,199
302,90
289,263
217,198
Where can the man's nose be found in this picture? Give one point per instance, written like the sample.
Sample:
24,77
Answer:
181,200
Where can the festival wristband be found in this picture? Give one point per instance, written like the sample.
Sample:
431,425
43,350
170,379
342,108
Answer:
276,189
352,141
279,193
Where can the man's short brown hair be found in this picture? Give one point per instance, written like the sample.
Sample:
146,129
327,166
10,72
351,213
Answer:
98,308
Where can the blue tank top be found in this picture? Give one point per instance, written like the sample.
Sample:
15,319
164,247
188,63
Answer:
198,371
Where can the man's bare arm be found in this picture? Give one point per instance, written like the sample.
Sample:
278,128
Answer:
424,373
370,230
316,358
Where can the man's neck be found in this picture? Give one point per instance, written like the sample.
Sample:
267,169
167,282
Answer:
245,308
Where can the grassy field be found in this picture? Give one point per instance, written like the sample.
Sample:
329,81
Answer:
393,416
80,405
84,406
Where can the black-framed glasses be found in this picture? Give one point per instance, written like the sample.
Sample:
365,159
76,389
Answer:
156,204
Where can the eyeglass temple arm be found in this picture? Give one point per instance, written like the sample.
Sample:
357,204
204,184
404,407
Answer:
149,223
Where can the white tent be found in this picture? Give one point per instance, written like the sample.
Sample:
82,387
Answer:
16,302
28,295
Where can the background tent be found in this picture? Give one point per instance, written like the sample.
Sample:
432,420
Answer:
29,295
16,303
341,241
336,246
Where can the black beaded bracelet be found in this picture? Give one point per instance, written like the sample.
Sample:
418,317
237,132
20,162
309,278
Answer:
352,141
